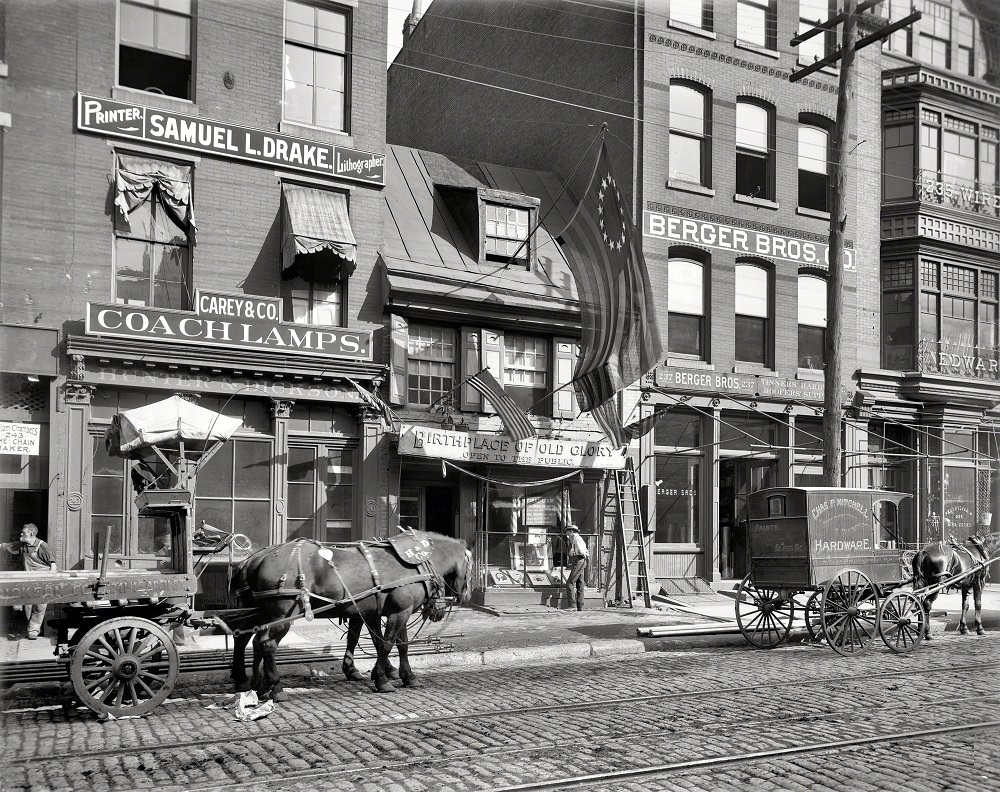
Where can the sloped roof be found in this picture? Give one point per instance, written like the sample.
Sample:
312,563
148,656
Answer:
425,249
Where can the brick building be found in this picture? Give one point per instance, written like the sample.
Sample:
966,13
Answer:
726,165
937,383
192,203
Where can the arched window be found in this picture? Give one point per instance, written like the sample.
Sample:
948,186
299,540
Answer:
814,177
754,149
812,321
753,314
690,142
686,307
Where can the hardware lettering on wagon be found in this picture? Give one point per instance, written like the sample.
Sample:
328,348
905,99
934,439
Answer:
194,133
228,320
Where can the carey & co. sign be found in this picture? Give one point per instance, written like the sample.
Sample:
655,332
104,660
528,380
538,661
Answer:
193,133
228,320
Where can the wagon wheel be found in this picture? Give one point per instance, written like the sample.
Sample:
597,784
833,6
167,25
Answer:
124,666
813,616
849,611
763,614
901,621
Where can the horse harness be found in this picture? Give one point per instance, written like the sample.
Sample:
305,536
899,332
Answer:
410,549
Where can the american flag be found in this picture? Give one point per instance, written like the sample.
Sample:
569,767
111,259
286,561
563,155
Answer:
372,400
609,419
621,340
516,423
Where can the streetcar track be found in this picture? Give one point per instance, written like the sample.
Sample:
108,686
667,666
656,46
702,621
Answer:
496,712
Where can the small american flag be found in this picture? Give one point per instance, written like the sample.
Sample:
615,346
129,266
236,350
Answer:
372,400
515,422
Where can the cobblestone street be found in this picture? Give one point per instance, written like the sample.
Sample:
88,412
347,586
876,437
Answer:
799,717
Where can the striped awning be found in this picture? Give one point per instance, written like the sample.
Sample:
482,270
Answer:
317,241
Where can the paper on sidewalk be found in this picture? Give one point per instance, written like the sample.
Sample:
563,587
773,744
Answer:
247,707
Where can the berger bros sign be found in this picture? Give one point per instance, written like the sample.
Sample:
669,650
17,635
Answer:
425,441
228,320
128,120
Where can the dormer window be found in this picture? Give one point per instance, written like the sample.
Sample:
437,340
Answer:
506,233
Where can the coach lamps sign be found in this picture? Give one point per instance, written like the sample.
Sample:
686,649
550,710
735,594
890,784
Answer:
228,320
193,133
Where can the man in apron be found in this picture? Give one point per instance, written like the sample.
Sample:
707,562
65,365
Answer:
35,557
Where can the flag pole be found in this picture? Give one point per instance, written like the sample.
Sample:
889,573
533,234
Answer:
531,232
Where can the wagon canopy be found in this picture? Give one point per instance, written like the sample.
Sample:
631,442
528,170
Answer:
166,424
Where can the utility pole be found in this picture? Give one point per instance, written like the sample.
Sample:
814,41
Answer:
837,191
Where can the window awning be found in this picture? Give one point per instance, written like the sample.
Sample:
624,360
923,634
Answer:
318,243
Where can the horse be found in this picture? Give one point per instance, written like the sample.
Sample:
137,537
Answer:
359,581
939,561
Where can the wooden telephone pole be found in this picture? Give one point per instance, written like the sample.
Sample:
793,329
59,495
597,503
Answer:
850,44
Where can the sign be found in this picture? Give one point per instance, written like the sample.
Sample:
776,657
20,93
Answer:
427,441
20,438
958,195
721,383
193,133
740,240
82,586
228,320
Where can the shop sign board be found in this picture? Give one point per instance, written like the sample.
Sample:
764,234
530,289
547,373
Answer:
961,196
228,320
745,241
434,443
721,383
20,438
194,133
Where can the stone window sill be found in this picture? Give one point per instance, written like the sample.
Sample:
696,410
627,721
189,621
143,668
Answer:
683,362
746,45
801,210
310,132
763,203
691,187
816,375
753,368
153,99
692,29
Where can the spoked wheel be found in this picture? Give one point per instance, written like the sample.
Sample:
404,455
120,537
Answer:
124,666
813,616
849,612
901,621
763,614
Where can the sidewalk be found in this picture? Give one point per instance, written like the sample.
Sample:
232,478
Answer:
474,636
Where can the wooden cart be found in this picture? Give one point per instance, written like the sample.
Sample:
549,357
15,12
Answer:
114,634
827,546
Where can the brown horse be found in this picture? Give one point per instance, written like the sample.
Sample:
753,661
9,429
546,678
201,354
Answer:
940,561
361,582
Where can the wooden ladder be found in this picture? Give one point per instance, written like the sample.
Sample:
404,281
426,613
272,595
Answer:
626,555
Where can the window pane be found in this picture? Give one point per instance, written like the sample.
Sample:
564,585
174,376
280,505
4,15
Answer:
898,162
686,11
812,149
154,536
685,287
99,525
677,507
173,34
106,495
751,291
684,334
253,469
685,158
132,261
331,30
897,330
215,477
298,84
812,301
678,430
811,343
687,109
751,339
171,276
137,25
253,518
751,24
217,513
751,126
813,191
752,176
299,23
301,465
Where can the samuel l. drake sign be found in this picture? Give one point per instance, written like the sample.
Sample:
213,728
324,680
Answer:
228,320
121,119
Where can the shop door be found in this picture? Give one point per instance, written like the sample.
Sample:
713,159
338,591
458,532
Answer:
439,510
738,478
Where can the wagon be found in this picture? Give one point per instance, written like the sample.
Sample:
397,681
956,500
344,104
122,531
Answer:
830,552
121,658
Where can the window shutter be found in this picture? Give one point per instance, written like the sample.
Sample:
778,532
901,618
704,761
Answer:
564,354
492,357
398,360
471,363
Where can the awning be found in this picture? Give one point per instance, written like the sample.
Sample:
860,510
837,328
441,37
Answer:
318,243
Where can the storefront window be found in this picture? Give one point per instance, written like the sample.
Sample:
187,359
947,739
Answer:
677,498
677,429
234,490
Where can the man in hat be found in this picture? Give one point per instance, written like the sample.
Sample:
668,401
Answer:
578,556
35,557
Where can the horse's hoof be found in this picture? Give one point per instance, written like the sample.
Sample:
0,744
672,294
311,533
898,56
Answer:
392,673
385,687
980,631
279,695
963,630
354,675
243,687
412,682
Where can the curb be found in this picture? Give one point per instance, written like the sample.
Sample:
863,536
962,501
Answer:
514,655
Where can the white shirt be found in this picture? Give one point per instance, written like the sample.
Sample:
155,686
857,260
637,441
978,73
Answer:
577,546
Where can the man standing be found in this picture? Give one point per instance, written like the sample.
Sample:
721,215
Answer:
578,556
35,557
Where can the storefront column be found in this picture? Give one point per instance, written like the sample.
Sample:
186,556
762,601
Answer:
281,411
368,478
712,541
786,436
77,399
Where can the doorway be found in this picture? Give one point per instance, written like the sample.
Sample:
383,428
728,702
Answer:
738,478
439,510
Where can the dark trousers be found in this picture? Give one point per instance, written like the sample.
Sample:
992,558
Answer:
574,583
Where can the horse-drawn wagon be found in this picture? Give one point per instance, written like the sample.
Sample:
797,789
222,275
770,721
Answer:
114,632
832,553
